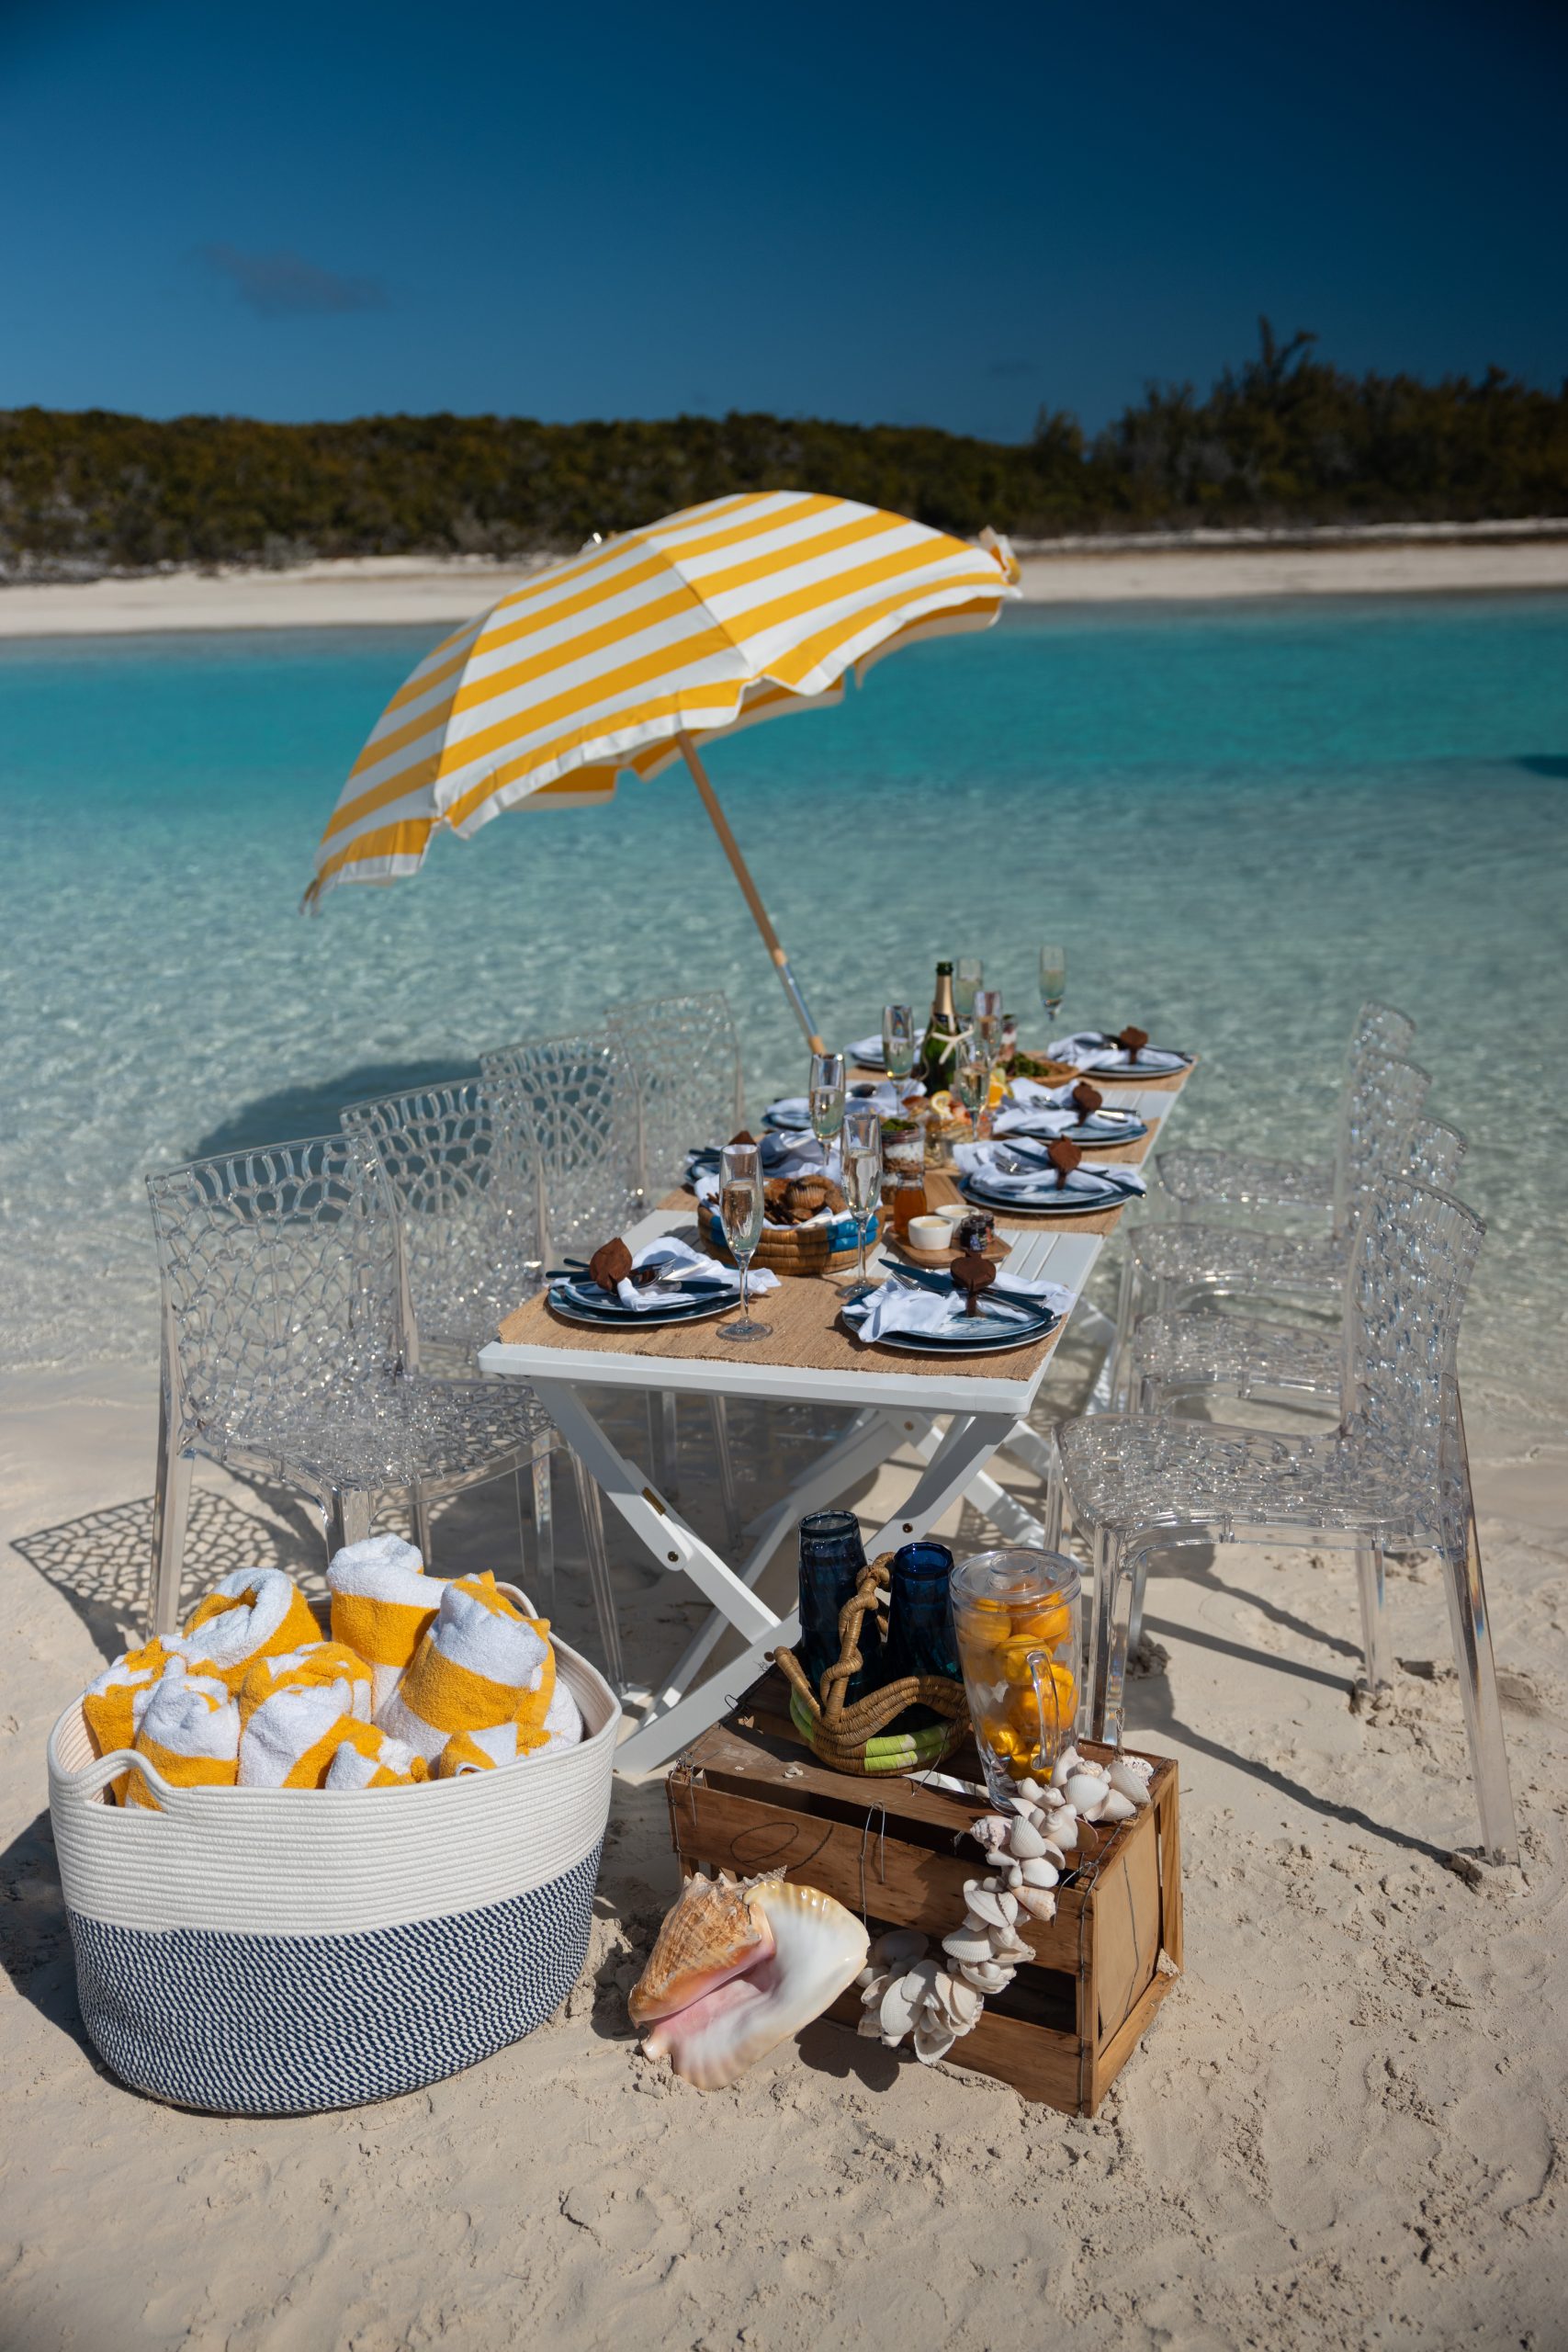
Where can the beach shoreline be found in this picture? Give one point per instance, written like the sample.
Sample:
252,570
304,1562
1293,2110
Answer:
368,592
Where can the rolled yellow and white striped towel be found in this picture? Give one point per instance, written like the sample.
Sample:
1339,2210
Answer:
254,1613
189,1732
383,1604
292,1711
485,1751
368,1758
112,1703
480,1664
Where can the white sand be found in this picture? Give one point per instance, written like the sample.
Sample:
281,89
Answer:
1347,2127
421,591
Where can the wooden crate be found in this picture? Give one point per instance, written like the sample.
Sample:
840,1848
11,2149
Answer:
747,1797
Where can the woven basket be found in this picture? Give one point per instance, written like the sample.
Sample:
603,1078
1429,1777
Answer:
856,1738
278,1951
825,1249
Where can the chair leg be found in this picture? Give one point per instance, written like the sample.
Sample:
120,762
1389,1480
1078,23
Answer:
728,1495
1116,1578
1122,1346
171,1504
422,1524
1374,1630
662,1441
599,1575
348,1518
544,1587
1478,1688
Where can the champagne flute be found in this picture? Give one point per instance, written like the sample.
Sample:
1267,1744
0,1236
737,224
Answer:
826,1096
740,1199
989,1041
968,974
1053,980
862,1180
972,1078
898,1039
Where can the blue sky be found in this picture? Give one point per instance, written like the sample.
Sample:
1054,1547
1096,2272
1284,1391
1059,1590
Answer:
919,214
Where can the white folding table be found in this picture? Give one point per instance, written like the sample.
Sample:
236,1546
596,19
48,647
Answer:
897,1399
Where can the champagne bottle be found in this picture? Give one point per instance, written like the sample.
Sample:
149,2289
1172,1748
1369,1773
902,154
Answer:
942,1036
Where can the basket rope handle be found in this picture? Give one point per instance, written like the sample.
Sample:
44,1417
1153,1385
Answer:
97,1775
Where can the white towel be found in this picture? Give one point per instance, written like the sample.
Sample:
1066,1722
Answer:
189,1731
383,1604
254,1613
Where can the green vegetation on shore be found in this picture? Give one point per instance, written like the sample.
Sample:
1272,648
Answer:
1285,438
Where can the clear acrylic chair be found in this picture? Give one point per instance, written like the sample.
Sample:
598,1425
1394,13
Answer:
1393,1475
1165,1263
574,1101
691,1090
285,1323
686,1056
469,1200
1256,1357
1197,1181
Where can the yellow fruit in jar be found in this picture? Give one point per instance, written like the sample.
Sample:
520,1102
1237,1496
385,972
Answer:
1057,1703
999,1086
1013,1656
1048,1625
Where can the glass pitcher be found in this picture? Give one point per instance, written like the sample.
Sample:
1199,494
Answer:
1016,1615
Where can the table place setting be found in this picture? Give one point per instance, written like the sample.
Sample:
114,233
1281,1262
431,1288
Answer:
1077,1111
1127,1053
972,1308
1043,1179
664,1282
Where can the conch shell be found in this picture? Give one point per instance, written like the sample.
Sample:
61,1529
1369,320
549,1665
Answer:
740,1966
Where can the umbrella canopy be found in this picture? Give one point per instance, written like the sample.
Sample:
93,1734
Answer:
742,609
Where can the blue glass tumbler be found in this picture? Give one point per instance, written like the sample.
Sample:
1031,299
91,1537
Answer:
920,1639
831,1558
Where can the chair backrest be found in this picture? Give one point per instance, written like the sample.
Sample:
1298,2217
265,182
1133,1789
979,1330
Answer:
1416,1251
1380,1029
575,1103
469,1197
1433,1153
687,1059
1380,1107
282,1273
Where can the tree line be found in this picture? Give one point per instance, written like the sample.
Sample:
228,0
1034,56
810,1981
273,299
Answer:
1285,438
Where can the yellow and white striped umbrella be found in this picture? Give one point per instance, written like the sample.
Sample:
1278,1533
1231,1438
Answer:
739,610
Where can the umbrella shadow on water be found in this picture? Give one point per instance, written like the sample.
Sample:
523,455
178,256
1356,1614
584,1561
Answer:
315,1108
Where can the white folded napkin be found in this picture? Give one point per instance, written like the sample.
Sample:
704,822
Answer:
790,1111
898,1307
981,1159
1093,1049
785,1152
680,1257
1032,1108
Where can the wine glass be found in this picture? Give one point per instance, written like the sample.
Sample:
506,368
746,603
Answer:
826,1097
989,1040
1053,980
740,1199
968,974
862,1179
898,1039
972,1078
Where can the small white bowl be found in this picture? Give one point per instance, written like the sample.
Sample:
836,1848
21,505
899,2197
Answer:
953,1212
931,1233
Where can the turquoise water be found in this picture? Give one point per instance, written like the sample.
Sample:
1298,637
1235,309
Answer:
1241,819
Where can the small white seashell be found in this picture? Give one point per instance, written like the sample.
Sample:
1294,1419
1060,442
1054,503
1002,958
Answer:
1015,1873
990,1831
1142,1765
932,2041
1038,1901
1085,1790
871,1996
1025,1842
1035,1813
869,2026
963,2004
867,1977
1054,1854
1067,1764
965,1945
1064,1830
1008,1951
1030,1789
1042,1873
985,1975
1128,1784
898,1948
1052,1802
986,1906
1114,1806
898,2012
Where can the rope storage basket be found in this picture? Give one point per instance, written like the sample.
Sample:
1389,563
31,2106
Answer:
278,1951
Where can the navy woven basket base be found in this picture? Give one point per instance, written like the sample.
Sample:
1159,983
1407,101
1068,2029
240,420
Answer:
288,2025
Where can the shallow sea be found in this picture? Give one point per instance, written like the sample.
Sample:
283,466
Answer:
1240,818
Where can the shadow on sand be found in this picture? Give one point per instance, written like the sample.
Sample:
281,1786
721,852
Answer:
315,1110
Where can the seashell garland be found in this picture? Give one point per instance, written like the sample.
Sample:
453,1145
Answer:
909,1994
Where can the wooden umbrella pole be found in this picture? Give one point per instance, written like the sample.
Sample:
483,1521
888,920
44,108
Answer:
731,848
